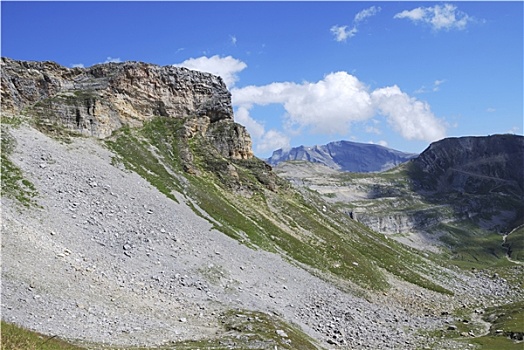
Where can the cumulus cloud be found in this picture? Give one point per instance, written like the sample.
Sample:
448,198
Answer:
256,129
342,33
439,17
328,106
273,140
514,130
332,104
369,12
410,117
225,67
382,143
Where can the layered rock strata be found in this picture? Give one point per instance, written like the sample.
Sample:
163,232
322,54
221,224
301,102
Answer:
98,100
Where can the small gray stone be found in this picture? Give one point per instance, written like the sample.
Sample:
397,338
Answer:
281,333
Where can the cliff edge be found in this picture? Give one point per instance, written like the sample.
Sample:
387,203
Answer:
98,100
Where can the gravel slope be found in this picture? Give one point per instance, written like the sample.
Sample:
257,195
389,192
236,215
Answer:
109,259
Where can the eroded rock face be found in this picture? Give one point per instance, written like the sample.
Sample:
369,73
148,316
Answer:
476,165
98,100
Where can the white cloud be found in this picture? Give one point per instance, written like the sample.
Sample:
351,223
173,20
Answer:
342,33
412,118
417,14
514,130
369,12
373,127
77,65
233,40
491,110
112,60
273,140
225,67
437,83
434,88
332,104
328,106
438,17
382,143
256,129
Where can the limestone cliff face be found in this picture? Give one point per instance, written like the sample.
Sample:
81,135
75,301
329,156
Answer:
98,100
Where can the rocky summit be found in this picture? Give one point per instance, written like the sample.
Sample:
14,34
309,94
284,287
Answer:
134,214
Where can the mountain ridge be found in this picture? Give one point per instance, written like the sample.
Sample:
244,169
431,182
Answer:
345,156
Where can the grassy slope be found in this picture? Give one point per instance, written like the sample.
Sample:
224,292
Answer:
507,321
13,182
242,329
468,244
16,338
515,244
283,221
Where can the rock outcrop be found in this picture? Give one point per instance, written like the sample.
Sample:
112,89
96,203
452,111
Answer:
98,100
345,156
475,165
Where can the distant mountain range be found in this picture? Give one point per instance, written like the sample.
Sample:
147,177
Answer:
345,156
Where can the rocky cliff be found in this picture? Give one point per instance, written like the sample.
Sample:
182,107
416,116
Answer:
98,100
476,165
345,156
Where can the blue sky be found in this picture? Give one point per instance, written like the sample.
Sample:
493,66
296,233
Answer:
400,74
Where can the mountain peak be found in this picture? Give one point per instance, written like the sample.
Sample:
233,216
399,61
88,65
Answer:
345,155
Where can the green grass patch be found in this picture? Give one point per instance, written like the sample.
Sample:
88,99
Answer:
471,247
14,185
507,326
17,338
496,343
509,318
137,156
515,244
245,329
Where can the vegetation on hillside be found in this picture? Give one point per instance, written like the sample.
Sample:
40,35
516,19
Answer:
249,203
462,222
14,337
14,184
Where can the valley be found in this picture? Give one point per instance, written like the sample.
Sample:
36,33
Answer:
148,224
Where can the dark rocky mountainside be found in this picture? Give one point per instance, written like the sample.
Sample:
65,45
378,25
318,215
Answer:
477,165
480,178
345,156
